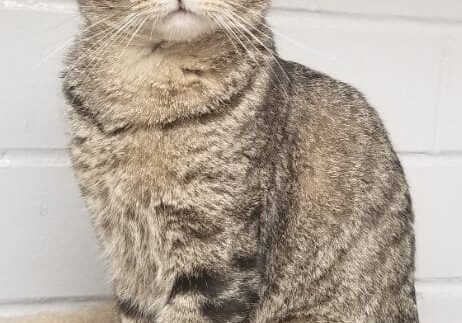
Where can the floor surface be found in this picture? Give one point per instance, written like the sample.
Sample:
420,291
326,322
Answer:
103,314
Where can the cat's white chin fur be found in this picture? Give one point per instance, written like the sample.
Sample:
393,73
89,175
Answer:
184,26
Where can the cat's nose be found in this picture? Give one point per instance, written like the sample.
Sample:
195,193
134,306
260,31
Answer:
181,5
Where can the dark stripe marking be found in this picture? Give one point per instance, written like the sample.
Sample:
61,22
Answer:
206,282
247,262
230,309
77,104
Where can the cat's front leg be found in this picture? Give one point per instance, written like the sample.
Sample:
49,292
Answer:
212,264
203,271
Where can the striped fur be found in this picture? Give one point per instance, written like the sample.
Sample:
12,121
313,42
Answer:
228,185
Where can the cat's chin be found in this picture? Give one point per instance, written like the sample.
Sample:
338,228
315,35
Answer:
184,27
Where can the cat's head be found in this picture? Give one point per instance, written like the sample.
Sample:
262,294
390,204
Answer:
175,20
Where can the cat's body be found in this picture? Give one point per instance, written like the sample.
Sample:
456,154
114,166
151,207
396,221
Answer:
227,187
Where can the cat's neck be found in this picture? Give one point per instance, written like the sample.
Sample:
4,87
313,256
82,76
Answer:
160,82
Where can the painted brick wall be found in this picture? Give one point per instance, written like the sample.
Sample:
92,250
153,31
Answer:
405,55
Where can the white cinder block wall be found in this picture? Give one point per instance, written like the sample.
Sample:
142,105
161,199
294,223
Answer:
406,55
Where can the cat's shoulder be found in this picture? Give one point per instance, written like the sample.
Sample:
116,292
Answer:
318,87
317,96
335,117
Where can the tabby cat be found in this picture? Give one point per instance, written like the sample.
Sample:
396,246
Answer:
227,184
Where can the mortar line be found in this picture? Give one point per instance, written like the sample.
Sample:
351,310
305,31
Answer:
59,157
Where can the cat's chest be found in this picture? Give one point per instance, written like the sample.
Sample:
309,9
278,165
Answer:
158,162
174,167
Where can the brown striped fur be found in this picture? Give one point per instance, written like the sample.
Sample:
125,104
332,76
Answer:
226,184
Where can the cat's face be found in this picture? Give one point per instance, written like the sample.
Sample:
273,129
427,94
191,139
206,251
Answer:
176,20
